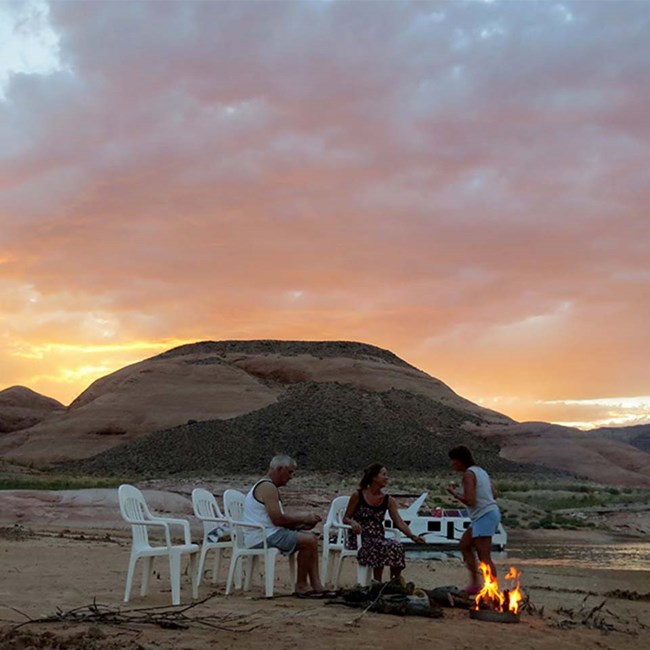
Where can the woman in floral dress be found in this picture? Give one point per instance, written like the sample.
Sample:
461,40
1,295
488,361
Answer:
365,514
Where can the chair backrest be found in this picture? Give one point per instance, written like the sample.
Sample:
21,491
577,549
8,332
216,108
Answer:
133,508
205,507
335,515
233,505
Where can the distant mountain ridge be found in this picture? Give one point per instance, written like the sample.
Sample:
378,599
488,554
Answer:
637,435
21,408
227,387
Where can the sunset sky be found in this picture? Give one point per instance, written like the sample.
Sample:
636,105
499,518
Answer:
464,183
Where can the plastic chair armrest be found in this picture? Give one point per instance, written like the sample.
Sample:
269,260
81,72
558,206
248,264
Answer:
185,525
153,522
336,524
244,524
214,520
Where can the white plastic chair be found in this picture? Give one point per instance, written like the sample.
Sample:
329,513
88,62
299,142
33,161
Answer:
206,509
337,530
135,512
233,504
334,535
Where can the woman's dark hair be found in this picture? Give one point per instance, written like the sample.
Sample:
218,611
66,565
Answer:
368,474
463,454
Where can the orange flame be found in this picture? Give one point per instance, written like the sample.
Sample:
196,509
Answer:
514,595
491,597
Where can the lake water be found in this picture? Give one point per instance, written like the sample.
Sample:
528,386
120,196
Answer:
630,556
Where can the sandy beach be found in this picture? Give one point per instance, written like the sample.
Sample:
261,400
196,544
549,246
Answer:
54,569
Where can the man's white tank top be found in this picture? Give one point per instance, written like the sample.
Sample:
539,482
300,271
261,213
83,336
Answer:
484,498
256,513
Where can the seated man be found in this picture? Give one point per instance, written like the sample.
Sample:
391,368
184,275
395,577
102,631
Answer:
285,532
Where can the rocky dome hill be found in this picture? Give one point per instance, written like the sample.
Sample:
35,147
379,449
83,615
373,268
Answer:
221,380
21,407
325,426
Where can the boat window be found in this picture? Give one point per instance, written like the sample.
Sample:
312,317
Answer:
433,526
466,524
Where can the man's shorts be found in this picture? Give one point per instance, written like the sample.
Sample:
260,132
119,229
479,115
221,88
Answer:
284,539
486,525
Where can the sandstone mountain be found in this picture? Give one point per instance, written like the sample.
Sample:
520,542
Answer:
216,380
326,426
586,453
21,407
225,406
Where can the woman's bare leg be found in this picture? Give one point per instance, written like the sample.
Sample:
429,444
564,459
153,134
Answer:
483,547
467,549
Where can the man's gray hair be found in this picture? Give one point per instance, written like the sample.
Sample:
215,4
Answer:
282,460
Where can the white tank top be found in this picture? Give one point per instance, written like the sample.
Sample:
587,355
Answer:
256,513
484,498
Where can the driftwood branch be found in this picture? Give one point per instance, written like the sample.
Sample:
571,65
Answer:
597,617
163,617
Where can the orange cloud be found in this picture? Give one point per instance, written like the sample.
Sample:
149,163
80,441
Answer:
465,185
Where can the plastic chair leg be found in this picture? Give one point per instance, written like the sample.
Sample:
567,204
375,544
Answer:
216,565
233,571
175,577
199,573
248,578
325,564
269,574
337,571
129,577
238,576
147,568
363,575
256,573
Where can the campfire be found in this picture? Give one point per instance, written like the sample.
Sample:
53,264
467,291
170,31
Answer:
493,604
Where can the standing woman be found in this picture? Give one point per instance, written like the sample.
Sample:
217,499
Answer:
365,514
477,494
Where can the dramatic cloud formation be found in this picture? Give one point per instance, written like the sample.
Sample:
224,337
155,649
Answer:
465,183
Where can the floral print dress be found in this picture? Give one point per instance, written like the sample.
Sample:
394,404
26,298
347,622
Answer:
376,551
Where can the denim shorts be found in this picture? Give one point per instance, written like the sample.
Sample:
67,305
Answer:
284,539
486,525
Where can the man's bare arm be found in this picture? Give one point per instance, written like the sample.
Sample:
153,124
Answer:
268,494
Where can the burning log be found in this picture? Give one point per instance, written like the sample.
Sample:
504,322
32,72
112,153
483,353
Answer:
493,604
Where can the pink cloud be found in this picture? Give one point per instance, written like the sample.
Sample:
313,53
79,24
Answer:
431,178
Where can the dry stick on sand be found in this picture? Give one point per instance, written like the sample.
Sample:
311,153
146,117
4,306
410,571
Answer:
595,619
175,619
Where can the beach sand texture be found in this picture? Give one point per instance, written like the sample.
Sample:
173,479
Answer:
51,570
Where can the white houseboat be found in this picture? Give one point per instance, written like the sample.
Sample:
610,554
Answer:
440,527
